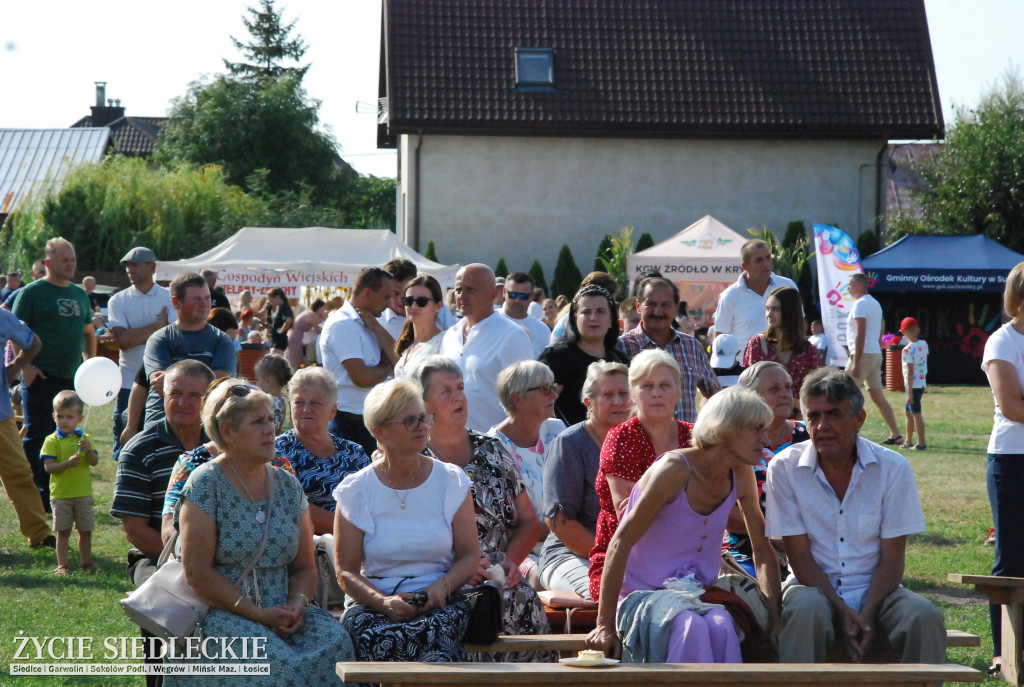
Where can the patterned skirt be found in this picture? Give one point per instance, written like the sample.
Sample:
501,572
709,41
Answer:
433,638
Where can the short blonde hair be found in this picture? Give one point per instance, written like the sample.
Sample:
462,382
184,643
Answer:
314,378
385,401
68,400
222,406
520,377
56,244
726,413
1013,294
646,362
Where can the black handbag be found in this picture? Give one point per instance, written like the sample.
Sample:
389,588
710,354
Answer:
486,602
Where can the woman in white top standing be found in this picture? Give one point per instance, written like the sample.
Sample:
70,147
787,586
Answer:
1003,362
405,535
420,335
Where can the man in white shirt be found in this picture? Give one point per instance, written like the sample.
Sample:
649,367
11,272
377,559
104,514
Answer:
863,337
740,309
359,352
404,271
844,507
133,315
517,293
483,344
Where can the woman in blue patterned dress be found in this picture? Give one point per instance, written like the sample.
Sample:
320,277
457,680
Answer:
321,459
225,510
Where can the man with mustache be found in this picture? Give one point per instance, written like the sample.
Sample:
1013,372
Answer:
656,302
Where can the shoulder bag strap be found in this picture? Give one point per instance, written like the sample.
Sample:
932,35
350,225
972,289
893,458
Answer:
764,344
266,528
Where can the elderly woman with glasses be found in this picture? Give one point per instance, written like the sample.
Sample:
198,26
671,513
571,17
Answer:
505,522
527,392
631,447
321,459
593,332
227,506
571,506
405,538
421,335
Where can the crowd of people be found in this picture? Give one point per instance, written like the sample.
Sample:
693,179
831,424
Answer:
500,439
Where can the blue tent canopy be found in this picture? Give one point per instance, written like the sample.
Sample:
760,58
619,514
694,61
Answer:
941,263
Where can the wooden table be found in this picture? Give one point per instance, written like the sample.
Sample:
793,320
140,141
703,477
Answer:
557,675
1007,592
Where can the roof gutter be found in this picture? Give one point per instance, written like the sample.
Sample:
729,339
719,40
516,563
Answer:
416,192
880,190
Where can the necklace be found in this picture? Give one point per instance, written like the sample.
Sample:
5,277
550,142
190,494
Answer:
261,515
405,492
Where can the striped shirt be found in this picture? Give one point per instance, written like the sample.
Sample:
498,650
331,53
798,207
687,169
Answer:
694,367
143,471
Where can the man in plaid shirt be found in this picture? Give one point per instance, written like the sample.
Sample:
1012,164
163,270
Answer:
656,302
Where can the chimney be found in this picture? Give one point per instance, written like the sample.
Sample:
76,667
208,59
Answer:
106,110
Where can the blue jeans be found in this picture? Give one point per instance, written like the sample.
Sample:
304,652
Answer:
37,404
119,420
1005,480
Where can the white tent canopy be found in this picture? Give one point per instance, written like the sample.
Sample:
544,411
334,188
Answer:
262,258
702,260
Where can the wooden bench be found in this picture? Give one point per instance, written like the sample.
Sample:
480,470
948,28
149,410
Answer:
557,675
577,642
1007,592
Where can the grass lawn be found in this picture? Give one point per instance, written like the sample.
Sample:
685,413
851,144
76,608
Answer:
950,478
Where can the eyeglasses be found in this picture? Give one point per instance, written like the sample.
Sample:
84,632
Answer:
546,388
413,422
521,296
421,301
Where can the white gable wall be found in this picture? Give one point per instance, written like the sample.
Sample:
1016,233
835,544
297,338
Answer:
488,197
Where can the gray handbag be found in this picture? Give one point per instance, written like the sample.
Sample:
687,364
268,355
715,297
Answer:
165,605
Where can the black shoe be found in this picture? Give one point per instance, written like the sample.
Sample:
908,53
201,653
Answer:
48,542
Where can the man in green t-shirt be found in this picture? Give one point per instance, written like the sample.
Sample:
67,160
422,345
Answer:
59,313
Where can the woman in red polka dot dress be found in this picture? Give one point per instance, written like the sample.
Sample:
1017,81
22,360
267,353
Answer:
630,448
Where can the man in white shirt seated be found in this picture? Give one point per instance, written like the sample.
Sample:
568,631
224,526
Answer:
740,309
517,293
483,343
844,507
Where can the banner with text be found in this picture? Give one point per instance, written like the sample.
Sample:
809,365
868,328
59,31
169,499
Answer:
259,282
837,259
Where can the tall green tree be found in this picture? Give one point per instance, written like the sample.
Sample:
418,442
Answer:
537,272
603,253
431,253
621,248
501,269
270,45
566,281
644,242
246,126
977,178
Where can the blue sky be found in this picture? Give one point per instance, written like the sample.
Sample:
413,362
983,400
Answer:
148,52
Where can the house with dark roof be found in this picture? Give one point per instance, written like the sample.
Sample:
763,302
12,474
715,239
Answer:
130,136
525,124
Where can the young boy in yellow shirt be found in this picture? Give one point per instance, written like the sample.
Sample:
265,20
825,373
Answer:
67,455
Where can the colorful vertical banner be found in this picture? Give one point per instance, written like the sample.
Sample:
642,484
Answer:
837,259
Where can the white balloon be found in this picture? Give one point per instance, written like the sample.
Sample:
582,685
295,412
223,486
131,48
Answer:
97,381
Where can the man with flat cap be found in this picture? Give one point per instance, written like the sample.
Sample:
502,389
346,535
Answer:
134,314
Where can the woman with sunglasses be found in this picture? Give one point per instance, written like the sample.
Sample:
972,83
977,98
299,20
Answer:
405,538
227,506
593,331
526,390
421,335
505,523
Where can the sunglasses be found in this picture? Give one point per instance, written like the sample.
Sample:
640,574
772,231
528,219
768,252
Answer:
413,422
420,301
240,390
521,296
